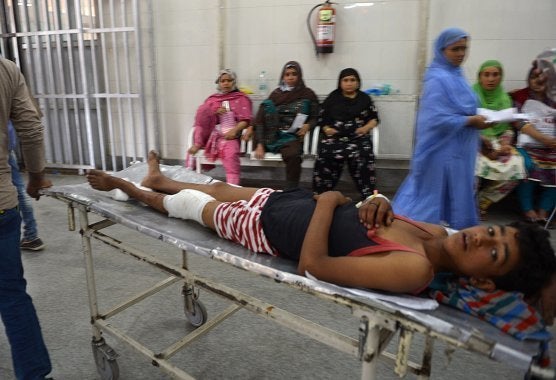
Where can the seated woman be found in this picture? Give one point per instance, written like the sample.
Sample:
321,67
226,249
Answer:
537,144
219,122
276,115
347,117
499,165
402,256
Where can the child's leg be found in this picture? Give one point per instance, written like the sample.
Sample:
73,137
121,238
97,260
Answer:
547,201
525,192
102,181
187,204
230,161
220,191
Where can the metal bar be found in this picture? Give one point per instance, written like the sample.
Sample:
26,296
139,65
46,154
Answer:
28,67
127,74
198,332
36,68
82,96
89,268
117,84
140,80
140,297
73,31
402,358
106,76
73,85
84,83
71,218
163,364
153,78
51,80
370,353
62,81
426,363
96,87
12,33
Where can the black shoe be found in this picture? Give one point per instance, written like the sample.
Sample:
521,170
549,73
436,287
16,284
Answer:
32,245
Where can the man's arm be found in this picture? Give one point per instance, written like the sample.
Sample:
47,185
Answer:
25,117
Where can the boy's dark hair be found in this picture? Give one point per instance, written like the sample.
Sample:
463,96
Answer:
537,262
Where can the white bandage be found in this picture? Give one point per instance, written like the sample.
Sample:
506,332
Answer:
187,204
119,195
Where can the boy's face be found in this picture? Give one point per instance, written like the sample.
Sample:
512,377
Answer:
484,251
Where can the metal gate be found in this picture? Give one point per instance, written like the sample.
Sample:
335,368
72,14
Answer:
83,61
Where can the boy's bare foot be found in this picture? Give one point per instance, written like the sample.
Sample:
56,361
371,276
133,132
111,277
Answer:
153,172
100,180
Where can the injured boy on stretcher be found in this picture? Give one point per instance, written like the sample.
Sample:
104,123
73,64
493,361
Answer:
337,242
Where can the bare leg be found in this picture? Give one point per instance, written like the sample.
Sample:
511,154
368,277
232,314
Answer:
220,191
99,180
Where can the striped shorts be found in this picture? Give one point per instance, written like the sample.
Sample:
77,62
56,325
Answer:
240,222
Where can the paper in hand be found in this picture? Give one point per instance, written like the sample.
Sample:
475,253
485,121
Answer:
297,122
502,116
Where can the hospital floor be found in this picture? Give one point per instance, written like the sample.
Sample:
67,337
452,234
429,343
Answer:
243,347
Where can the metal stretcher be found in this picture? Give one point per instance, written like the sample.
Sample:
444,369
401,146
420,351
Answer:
379,320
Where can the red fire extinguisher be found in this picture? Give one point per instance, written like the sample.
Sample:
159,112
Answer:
325,27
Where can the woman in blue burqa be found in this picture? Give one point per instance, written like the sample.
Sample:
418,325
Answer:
440,184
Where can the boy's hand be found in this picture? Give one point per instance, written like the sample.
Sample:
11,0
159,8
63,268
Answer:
376,212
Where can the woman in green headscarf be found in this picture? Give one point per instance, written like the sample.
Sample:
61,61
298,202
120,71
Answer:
499,165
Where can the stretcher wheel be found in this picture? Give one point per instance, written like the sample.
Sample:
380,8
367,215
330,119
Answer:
196,314
105,360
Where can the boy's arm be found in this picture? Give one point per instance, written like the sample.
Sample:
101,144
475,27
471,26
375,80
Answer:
315,243
391,271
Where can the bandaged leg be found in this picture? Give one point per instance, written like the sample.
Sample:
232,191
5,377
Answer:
187,204
119,195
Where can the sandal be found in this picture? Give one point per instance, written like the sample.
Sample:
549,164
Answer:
531,217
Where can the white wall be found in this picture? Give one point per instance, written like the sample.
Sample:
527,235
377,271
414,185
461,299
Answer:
381,41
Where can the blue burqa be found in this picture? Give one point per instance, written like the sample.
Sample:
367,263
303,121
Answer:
440,184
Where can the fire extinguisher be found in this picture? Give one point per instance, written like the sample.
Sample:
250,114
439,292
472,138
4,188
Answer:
325,27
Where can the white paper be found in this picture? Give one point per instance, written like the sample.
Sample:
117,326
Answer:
405,300
297,122
502,116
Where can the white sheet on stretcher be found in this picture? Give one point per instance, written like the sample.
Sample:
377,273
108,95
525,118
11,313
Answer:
416,303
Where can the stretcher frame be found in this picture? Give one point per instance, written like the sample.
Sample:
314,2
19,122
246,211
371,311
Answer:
378,321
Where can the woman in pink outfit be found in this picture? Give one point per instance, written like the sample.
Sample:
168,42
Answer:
219,122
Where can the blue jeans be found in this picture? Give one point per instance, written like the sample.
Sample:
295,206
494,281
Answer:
29,354
29,224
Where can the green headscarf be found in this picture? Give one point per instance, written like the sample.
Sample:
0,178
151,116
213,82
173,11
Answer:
495,100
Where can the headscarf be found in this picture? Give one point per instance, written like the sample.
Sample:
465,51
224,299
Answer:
545,62
496,99
300,91
337,107
346,73
522,95
446,38
231,74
